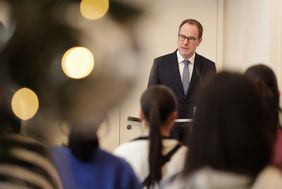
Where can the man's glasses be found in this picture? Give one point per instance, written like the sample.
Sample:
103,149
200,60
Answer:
182,37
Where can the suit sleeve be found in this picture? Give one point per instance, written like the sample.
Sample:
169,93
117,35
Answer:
154,75
210,70
213,68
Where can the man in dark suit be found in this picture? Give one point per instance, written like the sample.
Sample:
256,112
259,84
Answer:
170,69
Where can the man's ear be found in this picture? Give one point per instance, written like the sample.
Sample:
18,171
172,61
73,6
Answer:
200,40
171,119
173,116
142,116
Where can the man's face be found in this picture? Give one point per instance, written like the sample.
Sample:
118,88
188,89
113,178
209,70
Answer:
187,47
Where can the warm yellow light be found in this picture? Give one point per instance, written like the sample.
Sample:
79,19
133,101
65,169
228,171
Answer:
25,103
78,62
94,9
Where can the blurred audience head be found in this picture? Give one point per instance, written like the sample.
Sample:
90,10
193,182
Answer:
158,102
230,132
266,82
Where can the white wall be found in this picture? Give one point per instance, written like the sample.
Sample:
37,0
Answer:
245,34
275,43
252,34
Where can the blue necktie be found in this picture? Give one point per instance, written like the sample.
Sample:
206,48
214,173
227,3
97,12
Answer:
185,76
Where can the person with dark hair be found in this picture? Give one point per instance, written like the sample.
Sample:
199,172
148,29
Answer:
230,146
265,79
184,71
2,30
155,157
84,165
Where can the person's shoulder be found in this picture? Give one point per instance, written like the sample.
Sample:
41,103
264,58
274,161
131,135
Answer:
183,149
177,181
106,156
19,138
19,141
131,147
114,161
58,151
110,158
211,178
269,178
17,148
203,59
166,57
118,167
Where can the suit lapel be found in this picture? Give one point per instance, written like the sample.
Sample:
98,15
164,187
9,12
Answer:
176,75
195,74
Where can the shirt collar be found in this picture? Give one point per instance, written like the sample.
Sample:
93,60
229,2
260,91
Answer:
180,58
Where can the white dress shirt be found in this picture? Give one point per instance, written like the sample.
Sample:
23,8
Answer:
181,64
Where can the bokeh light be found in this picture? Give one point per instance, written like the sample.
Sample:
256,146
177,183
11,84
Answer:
78,62
25,103
94,9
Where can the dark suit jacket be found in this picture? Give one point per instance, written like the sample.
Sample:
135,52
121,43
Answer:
165,71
